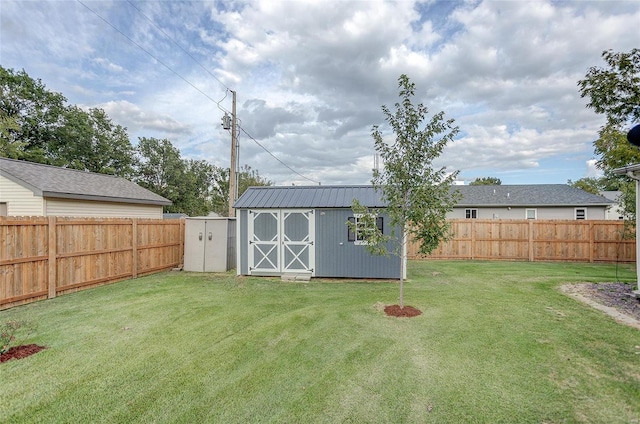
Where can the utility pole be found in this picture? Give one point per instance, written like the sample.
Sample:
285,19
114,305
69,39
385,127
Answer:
232,168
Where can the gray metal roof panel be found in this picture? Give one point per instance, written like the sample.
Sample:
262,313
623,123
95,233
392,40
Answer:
53,181
308,197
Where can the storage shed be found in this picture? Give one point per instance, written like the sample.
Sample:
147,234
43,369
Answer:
209,244
302,230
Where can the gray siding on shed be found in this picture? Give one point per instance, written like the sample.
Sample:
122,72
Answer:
337,257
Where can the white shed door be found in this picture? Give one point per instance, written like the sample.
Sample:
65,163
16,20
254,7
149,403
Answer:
281,241
298,237
264,241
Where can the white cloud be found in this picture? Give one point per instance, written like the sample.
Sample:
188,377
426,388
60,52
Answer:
136,119
592,169
106,64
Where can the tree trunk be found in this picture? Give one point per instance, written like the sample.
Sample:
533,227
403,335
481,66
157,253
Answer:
402,253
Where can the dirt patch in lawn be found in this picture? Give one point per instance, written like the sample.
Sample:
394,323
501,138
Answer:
614,299
405,312
19,352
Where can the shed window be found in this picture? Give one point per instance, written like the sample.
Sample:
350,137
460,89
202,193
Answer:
531,214
581,213
362,232
471,213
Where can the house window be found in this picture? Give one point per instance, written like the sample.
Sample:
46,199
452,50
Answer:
362,231
471,213
3,209
581,213
531,213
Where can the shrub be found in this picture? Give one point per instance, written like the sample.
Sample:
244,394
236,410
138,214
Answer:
9,331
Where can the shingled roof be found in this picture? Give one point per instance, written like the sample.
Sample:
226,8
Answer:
529,195
341,196
53,181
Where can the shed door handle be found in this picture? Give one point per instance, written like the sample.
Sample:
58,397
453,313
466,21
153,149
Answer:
200,236
210,236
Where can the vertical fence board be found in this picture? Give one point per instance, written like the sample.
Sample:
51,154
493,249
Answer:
52,263
134,245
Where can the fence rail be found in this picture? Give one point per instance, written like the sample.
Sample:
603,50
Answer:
44,257
534,240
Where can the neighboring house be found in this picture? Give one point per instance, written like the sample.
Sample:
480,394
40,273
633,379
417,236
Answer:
615,211
33,189
534,201
303,231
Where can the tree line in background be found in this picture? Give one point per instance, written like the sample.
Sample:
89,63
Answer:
38,125
486,181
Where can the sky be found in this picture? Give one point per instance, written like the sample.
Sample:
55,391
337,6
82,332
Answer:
311,77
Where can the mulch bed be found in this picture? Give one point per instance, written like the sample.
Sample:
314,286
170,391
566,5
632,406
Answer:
615,295
406,312
19,352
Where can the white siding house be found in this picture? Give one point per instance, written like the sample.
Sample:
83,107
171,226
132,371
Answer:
19,200
32,189
531,201
615,211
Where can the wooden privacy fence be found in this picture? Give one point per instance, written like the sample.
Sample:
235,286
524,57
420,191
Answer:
534,240
43,257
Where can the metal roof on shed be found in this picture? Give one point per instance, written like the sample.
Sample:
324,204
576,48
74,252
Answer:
308,197
271,197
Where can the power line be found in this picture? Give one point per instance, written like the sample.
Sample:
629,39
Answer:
147,52
188,54
276,158
185,51
187,81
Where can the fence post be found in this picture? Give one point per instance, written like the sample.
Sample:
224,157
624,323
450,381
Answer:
530,241
52,247
134,248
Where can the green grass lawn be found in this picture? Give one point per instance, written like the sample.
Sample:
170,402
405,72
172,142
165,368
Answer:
497,342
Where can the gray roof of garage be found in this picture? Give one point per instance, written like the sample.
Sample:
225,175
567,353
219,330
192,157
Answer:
274,197
53,181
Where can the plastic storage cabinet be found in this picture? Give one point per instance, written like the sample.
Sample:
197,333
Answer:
209,244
